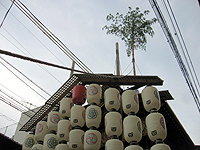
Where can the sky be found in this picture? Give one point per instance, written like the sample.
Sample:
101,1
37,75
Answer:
78,24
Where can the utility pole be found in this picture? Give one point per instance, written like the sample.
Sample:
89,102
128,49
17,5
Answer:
117,59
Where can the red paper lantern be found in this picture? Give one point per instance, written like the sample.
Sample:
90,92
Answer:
79,94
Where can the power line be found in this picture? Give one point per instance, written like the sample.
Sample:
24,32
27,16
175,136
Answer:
25,76
25,48
27,52
184,47
6,98
22,81
51,36
23,100
7,13
19,108
33,36
174,48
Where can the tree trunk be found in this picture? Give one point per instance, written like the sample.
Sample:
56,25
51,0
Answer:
133,57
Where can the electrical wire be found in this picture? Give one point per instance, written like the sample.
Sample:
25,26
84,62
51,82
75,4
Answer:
7,13
127,67
22,99
174,48
34,37
138,68
51,36
23,81
12,104
25,76
13,101
9,119
184,47
28,53
25,48
16,101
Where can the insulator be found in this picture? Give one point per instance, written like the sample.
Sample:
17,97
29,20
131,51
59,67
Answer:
50,141
111,98
76,139
114,144
92,140
113,124
41,130
151,98
65,107
77,116
63,130
130,101
156,126
79,94
134,147
29,141
53,119
132,126
160,146
93,116
94,94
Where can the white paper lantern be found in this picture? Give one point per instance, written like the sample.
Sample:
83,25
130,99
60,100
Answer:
132,128
41,130
94,94
77,116
93,116
111,98
113,124
134,147
114,144
62,147
151,98
130,101
50,141
29,141
76,139
160,146
156,126
37,147
92,140
53,119
63,130
65,107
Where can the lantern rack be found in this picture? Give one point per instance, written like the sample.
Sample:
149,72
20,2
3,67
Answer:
106,80
177,136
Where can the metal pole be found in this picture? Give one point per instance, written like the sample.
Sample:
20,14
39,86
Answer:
117,59
72,71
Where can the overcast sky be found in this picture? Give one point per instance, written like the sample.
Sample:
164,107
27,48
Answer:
78,24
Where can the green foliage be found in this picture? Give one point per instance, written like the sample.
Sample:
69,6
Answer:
131,28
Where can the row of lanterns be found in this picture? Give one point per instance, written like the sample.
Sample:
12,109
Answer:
67,133
155,121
